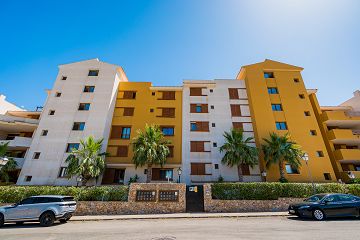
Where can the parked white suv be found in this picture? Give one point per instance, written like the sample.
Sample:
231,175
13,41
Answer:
44,209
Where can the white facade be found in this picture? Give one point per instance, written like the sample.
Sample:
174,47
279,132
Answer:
216,95
69,84
7,106
353,102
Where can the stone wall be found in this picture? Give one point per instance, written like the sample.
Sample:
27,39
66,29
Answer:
215,205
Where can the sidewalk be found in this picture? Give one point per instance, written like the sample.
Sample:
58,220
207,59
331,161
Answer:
177,215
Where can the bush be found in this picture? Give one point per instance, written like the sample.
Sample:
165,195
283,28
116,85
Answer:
273,191
13,194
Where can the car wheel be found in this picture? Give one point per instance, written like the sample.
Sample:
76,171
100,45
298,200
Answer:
47,219
2,220
19,223
318,215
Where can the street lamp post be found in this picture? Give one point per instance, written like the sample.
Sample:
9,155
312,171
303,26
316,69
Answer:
179,171
351,175
305,157
263,174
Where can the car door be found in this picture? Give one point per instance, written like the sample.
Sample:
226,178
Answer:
331,205
348,205
19,211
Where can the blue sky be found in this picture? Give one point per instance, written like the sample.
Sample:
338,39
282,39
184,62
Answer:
166,41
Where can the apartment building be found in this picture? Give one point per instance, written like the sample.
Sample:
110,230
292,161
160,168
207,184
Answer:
16,129
81,103
340,128
279,103
210,108
138,104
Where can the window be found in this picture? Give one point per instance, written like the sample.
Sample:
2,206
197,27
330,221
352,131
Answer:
159,174
29,200
168,112
273,90
296,80
125,133
216,166
199,126
168,95
319,153
212,106
52,112
122,151
168,131
151,110
153,93
129,95
313,132
214,144
196,92
197,146
327,176
89,88
36,155
281,125
44,132
198,108
301,96
211,90
213,125
128,111
235,110
245,169
238,125
198,169
58,94
268,75
78,126
171,152
233,93
62,172
63,78
307,113
290,169
72,146
93,73
276,107
84,106
28,178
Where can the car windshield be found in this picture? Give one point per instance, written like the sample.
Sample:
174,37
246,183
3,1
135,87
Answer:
67,199
315,198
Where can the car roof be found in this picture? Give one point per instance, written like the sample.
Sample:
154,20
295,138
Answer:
53,196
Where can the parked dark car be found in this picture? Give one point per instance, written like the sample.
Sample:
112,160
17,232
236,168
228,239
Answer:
321,206
44,209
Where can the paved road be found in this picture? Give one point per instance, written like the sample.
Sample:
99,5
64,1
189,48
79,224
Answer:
170,229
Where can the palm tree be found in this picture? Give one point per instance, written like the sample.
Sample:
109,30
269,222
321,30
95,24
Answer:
238,152
280,149
150,148
87,162
10,165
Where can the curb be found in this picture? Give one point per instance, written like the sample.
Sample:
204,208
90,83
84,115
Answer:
175,216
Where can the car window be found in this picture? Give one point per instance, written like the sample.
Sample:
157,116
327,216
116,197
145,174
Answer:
332,198
46,200
27,201
67,199
315,198
346,198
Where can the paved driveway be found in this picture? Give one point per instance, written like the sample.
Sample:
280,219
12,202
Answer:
278,228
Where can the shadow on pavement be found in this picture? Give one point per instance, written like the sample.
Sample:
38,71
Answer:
25,225
294,218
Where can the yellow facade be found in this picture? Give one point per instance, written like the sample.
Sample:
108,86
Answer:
337,127
297,113
148,105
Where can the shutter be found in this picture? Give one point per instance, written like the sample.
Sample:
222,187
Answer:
122,151
195,91
108,177
193,169
245,169
204,108
235,110
233,93
171,149
238,125
200,147
201,169
115,132
171,112
155,174
165,112
192,108
128,112
128,95
205,126
192,146
168,95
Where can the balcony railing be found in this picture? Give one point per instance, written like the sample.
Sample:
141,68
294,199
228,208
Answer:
343,136
18,142
347,154
13,119
339,115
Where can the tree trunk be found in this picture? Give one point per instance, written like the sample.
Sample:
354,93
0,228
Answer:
84,182
240,173
281,169
149,174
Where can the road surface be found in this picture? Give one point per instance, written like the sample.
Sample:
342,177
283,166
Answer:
170,229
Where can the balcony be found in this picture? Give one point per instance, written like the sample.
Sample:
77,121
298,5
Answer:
347,155
343,136
341,119
18,142
346,178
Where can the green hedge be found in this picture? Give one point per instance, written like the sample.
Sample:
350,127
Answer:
273,191
12,194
